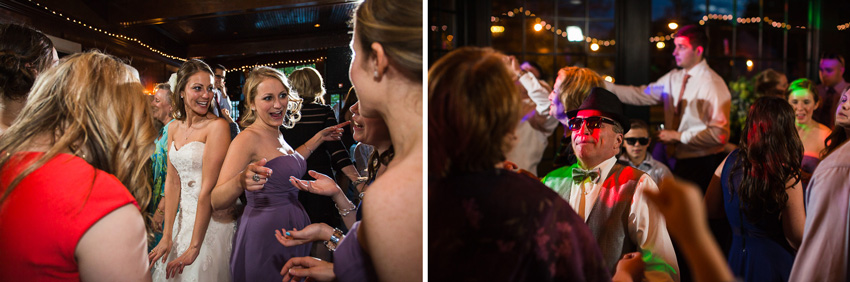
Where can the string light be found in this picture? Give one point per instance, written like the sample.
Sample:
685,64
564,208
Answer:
119,36
541,24
281,62
751,20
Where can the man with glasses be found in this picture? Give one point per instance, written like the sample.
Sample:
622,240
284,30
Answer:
607,194
222,107
637,142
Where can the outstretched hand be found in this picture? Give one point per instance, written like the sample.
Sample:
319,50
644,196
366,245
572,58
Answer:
311,233
255,175
333,133
323,185
308,267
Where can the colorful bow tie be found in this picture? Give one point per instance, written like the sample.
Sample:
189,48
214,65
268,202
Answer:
579,175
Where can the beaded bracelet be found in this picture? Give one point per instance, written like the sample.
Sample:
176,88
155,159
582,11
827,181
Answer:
344,212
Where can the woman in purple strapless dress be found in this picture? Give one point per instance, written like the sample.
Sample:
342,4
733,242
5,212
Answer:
260,162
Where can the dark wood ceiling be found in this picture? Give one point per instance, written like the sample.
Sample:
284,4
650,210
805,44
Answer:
233,33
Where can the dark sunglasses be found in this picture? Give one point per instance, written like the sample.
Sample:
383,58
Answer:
643,141
591,122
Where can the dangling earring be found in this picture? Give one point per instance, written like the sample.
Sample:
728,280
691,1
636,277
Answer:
375,74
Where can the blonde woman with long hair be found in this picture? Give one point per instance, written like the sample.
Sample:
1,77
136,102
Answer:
196,242
73,177
260,162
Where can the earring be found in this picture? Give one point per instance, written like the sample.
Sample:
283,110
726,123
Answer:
375,74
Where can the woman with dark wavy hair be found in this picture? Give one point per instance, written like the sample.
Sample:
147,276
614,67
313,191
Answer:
24,54
758,189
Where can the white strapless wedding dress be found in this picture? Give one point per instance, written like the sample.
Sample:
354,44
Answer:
213,261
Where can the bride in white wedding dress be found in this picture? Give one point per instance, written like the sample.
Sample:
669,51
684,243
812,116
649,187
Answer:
196,242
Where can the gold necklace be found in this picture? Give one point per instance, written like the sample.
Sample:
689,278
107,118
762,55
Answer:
188,132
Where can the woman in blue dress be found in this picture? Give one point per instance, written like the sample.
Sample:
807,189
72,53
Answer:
758,189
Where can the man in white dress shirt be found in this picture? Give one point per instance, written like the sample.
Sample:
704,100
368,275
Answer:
608,194
696,108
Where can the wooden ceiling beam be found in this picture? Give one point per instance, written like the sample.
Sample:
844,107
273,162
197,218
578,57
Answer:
299,44
138,13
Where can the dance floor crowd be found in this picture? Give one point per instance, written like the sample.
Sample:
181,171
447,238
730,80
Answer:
751,186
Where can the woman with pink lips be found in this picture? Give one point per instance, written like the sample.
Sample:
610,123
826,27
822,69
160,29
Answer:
260,163
841,130
803,97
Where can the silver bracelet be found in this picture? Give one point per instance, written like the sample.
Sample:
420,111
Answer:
344,212
334,241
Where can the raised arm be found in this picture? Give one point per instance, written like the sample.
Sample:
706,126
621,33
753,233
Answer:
331,133
217,141
681,207
644,95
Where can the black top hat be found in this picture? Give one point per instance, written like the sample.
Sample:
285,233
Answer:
606,102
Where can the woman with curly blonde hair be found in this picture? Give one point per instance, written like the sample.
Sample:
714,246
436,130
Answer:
260,162
73,175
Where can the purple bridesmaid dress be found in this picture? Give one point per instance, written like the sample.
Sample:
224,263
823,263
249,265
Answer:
257,255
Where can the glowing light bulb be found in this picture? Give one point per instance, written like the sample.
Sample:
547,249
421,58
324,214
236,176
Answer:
538,27
594,47
672,25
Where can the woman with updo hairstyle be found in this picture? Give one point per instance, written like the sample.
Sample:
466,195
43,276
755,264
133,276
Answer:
466,145
386,71
196,242
260,163
329,158
73,176
24,54
770,83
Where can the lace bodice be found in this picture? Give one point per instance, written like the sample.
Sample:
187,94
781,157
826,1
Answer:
188,161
